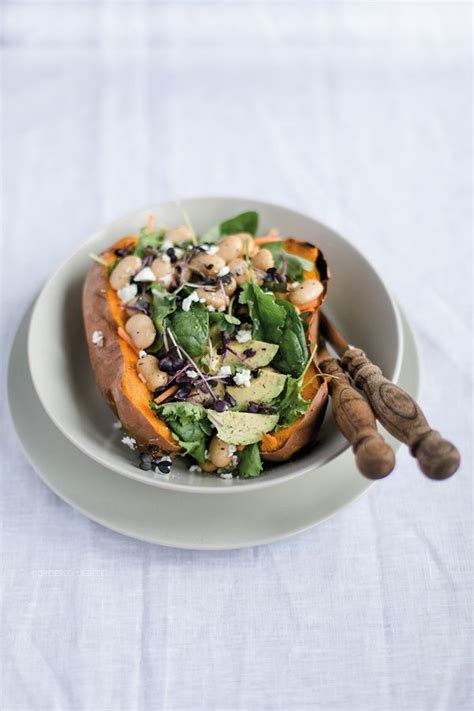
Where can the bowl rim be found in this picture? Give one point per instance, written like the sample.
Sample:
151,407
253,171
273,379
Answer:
220,486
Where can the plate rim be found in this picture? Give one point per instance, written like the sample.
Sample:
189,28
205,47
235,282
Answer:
345,459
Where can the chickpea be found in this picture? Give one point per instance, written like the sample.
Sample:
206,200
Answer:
240,270
180,234
141,330
207,264
263,260
230,287
124,271
148,367
308,290
230,248
220,453
161,269
213,298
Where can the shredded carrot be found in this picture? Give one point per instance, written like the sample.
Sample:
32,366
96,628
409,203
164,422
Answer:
124,335
309,305
166,394
150,223
272,236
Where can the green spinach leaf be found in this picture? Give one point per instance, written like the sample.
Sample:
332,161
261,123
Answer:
268,316
191,329
245,222
292,354
295,266
221,322
250,462
189,425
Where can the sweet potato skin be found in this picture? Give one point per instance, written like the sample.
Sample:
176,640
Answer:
113,365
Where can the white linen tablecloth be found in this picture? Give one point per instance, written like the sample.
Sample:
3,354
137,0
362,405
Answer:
360,114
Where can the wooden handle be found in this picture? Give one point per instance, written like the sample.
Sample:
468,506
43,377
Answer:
402,417
355,419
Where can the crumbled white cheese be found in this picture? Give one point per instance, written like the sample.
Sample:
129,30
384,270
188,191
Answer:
166,279
189,300
243,335
166,244
142,354
195,469
224,371
211,307
117,425
165,258
191,374
129,442
226,475
243,377
98,339
223,272
231,449
213,249
145,274
127,293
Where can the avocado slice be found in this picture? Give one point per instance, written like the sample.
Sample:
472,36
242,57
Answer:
264,353
265,387
241,427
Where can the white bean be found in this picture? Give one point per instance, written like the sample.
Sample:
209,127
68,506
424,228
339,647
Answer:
219,453
213,298
179,234
263,260
161,269
148,367
230,248
306,291
240,270
207,264
141,330
124,271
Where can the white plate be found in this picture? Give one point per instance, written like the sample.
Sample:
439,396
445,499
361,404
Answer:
179,519
357,299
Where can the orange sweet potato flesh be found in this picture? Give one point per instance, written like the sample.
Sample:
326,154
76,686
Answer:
114,363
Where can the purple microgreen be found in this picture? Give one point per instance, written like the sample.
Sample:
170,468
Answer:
193,363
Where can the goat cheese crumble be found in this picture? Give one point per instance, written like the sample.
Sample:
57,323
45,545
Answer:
129,442
145,274
189,300
243,378
98,339
127,293
243,335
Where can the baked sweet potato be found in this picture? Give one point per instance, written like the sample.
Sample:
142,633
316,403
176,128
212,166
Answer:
118,360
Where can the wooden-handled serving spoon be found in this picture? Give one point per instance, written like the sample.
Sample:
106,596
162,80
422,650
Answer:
355,419
396,409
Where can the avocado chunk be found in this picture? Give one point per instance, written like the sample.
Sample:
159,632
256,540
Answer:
265,387
264,353
241,427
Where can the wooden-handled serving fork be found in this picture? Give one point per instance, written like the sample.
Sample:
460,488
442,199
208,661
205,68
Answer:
396,409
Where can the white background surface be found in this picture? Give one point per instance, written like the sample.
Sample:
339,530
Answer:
360,114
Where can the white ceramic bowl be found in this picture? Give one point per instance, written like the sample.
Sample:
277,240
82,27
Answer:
357,300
